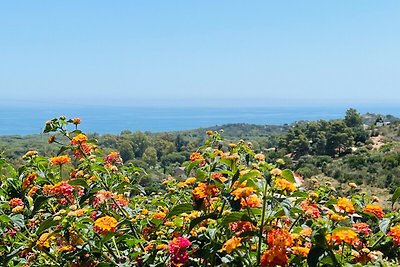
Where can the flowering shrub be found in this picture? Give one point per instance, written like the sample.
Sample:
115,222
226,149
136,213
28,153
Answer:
82,208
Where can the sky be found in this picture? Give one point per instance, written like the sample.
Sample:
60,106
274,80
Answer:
200,52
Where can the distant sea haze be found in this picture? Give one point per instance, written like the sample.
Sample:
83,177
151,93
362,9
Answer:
17,120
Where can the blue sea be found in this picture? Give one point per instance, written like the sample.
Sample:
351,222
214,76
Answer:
24,120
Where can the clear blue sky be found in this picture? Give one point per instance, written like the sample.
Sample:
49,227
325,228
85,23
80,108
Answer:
198,51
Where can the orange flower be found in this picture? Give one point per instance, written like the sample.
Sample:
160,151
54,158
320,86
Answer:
252,201
33,191
76,121
105,225
395,233
85,148
344,235
274,257
231,244
305,232
60,160
301,251
196,156
374,209
79,139
242,192
310,210
203,190
345,205
44,240
279,237
284,184
29,180
159,215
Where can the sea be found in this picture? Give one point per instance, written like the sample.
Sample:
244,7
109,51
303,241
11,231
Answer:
26,120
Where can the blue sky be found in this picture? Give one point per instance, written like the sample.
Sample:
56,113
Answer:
200,52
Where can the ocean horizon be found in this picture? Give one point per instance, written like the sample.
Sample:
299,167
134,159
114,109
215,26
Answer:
26,120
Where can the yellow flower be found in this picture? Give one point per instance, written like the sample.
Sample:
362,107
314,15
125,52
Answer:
190,180
44,241
344,235
18,209
79,139
231,244
345,205
284,184
105,225
242,192
337,217
301,251
259,157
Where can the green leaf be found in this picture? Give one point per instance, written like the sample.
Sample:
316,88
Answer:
249,175
179,209
46,224
198,220
80,182
4,218
313,256
396,195
384,225
288,175
39,201
235,217
191,165
64,148
18,219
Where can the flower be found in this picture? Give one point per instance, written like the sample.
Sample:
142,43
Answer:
241,227
284,184
362,228
395,233
375,209
76,121
105,225
305,232
177,249
196,156
15,202
310,209
252,201
231,244
301,251
113,158
79,139
219,176
259,157
28,180
60,160
346,205
344,235
203,190
44,240
33,191
279,237
274,257
242,192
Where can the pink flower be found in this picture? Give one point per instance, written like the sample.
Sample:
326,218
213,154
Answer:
177,249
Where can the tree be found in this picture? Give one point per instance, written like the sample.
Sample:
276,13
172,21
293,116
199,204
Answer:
150,156
353,118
